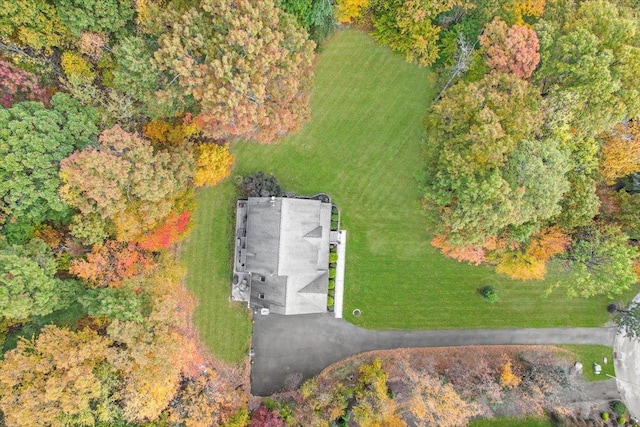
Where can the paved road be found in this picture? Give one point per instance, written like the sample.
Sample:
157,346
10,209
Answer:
627,365
287,345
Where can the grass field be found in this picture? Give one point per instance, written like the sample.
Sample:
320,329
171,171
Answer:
224,327
511,422
364,147
590,354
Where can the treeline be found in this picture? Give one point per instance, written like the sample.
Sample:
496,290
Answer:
112,112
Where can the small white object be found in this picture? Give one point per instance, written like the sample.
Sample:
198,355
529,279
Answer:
578,367
605,360
264,311
597,368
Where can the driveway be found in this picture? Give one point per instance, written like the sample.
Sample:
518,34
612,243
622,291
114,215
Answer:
289,345
627,365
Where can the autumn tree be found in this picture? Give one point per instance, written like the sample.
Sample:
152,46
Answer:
111,263
508,378
435,403
19,85
409,27
601,262
373,405
247,65
213,164
620,155
29,183
628,215
511,49
57,379
122,187
32,23
348,10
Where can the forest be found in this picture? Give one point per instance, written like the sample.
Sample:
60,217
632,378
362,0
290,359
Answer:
116,113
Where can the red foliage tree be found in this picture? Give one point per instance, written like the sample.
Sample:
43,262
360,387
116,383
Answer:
262,417
110,264
174,228
18,85
511,50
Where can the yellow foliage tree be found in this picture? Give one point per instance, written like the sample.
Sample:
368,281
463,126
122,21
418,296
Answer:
348,10
213,164
374,407
162,132
435,403
507,378
620,151
527,8
76,68
523,266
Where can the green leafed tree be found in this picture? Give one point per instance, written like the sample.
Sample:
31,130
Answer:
28,286
492,172
33,141
94,15
601,262
32,23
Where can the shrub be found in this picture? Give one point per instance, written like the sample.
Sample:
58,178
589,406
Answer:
619,407
330,301
333,249
334,218
333,257
330,307
604,416
332,273
261,185
76,68
489,293
332,284
621,420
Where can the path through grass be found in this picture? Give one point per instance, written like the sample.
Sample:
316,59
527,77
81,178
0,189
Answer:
363,146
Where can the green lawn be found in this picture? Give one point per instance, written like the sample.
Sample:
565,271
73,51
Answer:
363,146
511,422
224,327
590,354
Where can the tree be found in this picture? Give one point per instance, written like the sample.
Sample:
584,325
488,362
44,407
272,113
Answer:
588,51
125,303
435,403
110,264
316,16
263,417
348,10
213,164
247,65
54,380
123,188
511,50
28,286
491,172
507,378
620,154
628,320
85,15
32,23
409,26
28,181
521,266
601,262
175,227
19,85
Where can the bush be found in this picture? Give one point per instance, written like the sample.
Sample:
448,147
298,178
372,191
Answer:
604,416
334,218
331,292
489,293
333,257
330,307
619,407
332,273
332,284
330,301
621,420
261,185
333,249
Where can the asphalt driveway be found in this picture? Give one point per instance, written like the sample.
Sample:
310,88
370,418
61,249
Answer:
306,344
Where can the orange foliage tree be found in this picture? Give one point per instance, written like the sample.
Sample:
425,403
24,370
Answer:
620,154
110,264
213,164
175,227
511,50
548,243
473,254
164,132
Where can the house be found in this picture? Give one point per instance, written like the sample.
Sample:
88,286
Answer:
281,258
